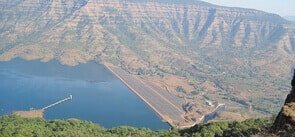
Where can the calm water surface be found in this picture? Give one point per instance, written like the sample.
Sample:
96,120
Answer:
98,96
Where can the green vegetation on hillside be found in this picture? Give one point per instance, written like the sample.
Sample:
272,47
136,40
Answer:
229,129
234,53
24,127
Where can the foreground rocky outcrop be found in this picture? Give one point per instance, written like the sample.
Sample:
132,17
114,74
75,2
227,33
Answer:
285,121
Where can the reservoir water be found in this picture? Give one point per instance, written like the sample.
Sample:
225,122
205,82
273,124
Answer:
98,96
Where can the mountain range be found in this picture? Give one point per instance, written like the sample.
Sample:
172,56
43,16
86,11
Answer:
200,51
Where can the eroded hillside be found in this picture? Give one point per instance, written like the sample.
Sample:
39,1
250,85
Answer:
194,49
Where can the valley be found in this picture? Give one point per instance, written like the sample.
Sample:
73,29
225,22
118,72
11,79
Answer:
191,50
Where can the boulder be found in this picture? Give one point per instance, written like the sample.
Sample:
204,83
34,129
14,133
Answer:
285,121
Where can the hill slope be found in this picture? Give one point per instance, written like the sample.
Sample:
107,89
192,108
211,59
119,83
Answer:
16,126
227,55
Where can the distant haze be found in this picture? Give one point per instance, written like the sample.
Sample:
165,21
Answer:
291,18
283,8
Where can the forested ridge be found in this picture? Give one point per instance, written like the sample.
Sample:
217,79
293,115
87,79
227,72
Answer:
24,127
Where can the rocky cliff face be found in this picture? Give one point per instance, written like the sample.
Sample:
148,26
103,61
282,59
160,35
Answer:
285,120
228,55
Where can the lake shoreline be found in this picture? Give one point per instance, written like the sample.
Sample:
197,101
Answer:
31,85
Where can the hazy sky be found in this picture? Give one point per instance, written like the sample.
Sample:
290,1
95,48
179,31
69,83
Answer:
281,7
